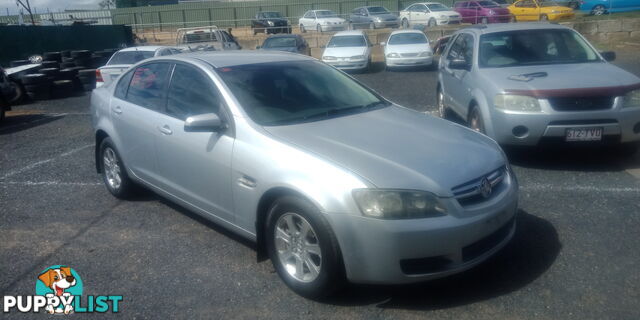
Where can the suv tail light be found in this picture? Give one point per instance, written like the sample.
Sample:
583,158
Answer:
98,76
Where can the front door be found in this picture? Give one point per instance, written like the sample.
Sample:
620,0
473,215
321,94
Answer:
195,166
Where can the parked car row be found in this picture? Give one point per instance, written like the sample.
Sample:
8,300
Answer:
335,183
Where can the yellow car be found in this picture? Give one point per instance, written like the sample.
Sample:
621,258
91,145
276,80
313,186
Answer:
534,10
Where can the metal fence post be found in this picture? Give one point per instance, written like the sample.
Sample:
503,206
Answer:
135,21
235,17
184,18
160,20
210,16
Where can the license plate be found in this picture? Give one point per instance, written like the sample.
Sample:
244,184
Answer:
583,134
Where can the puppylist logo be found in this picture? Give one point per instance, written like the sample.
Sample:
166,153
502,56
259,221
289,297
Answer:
59,291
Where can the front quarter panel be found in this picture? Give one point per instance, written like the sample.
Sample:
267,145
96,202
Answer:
269,164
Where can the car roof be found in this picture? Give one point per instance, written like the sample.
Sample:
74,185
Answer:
322,10
143,48
406,31
349,33
502,27
221,59
284,36
427,3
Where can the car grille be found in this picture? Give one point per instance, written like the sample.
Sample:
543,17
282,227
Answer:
454,17
469,193
409,55
581,103
391,19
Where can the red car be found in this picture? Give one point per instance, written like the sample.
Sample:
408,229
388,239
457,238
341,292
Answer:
483,11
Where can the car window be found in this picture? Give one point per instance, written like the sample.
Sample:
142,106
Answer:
123,85
456,49
147,85
309,15
282,93
378,10
461,4
326,14
130,57
280,42
201,36
534,47
467,52
526,4
347,41
191,93
408,38
473,5
488,4
165,52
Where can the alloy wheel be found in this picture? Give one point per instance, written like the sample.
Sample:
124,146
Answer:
298,247
441,107
405,24
111,168
598,10
475,121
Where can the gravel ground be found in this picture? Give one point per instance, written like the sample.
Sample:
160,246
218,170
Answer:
574,255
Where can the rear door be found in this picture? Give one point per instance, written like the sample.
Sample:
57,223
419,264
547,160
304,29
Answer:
195,166
138,98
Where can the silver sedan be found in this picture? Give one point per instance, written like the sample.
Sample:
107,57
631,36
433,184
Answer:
332,181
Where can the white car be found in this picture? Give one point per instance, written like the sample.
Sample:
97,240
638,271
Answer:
429,14
125,58
321,20
407,48
348,50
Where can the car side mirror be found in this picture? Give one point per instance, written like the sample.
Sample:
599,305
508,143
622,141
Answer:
459,64
608,55
207,122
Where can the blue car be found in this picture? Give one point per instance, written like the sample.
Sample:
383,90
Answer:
599,7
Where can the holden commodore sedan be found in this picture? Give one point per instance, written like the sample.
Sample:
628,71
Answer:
407,48
530,83
331,180
348,50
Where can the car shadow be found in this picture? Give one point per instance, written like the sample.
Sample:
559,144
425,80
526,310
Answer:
18,122
533,249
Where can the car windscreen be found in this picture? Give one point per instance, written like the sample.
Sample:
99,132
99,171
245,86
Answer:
130,57
291,92
377,10
284,42
326,14
488,4
408,38
534,47
346,41
200,36
270,15
549,4
437,7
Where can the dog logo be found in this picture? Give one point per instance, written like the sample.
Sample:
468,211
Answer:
60,284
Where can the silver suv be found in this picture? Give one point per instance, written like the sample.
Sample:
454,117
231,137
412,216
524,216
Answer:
530,83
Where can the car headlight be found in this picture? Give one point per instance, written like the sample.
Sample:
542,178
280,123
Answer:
442,16
392,55
360,57
270,23
398,204
329,58
378,19
517,103
555,11
426,54
632,99
491,12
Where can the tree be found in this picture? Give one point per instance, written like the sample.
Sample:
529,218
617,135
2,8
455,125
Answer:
107,4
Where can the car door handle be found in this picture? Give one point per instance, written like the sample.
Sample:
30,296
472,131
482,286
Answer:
117,109
165,130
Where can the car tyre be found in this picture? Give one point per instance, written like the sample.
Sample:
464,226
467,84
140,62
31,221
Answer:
484,20
3,107
544,17
476,121
513,19
598,10
443,111
303,248
302,29
432,23
627,149
405,23
372,26
114,172
319,28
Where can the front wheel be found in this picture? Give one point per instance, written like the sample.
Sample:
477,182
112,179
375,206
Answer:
405,23
3,106
302,29
512,19
372,26
484,20
319,28
432,22
598,10
544,17
443,112
302,247
475,120
114,173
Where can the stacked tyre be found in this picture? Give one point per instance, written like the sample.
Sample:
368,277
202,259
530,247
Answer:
82,58
37,86
88,79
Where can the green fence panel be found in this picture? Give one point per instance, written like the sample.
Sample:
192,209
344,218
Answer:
29,40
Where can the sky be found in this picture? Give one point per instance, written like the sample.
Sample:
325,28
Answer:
53,5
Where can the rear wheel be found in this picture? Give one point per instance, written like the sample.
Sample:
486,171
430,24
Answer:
432,22
319,28
544,17
443,112
114,173
475,120
3,107
302,29
598,10
372,25
484,20
302,247
512,18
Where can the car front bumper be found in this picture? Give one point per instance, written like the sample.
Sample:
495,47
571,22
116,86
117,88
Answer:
449,21
406,62
561,16
618,125
387,24
347,64
406,251
333,27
